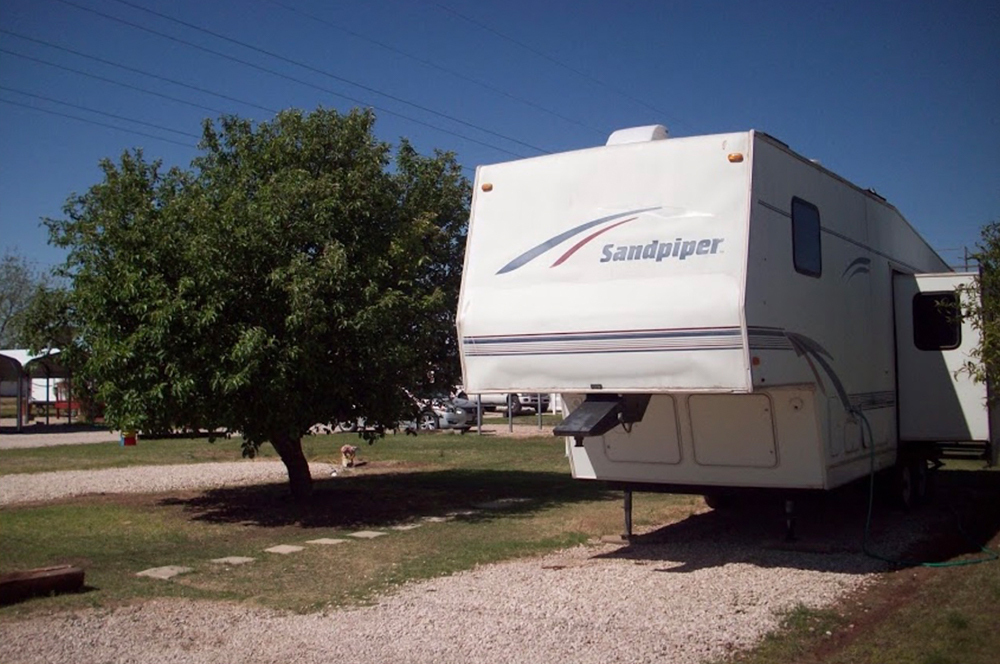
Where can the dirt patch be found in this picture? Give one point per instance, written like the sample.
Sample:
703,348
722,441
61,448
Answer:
963,519
498,429
41,435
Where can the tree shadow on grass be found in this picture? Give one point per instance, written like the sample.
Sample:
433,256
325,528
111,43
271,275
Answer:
961,518
380,500
8,599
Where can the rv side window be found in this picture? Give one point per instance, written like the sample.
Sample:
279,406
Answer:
805,238
936,324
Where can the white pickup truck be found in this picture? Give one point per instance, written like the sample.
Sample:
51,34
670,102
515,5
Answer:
492,401
499,401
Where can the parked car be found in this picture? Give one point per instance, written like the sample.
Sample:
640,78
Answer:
531,401
351,425
437,411
441,412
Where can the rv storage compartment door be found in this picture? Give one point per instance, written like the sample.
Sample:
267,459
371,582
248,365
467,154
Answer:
937,401
611,270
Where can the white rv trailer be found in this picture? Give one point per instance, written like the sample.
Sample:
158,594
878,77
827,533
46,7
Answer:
718,313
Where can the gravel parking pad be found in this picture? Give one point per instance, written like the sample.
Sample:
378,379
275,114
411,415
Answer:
691,591
34,487
584,605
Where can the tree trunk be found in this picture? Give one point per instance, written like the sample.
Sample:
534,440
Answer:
299,478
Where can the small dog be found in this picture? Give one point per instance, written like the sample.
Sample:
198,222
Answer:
347,454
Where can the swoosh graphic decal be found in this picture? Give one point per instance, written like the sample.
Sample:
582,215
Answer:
857,271
589,238
812,350
535,252
861,263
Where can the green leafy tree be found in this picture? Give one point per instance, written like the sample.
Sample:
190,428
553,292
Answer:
47,322
296,274
18,283
981,305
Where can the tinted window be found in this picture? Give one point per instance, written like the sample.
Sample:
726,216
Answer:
936,323
805,238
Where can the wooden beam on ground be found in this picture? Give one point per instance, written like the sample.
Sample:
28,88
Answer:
19,586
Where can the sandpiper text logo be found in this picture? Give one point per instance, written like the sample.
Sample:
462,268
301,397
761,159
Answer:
655,250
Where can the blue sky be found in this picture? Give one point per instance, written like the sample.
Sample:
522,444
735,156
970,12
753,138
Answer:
903,97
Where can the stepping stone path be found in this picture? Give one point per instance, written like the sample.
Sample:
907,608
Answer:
233,560
171,571
285,549
164,572
367,534
452,515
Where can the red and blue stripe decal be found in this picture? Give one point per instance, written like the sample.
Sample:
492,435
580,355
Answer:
535,252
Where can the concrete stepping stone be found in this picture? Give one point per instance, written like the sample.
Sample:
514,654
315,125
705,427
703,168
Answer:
367,534
285,549
167,572
326,540
233,560
406,526
462,513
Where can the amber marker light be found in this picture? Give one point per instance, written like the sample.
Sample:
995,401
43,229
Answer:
755,361
487,186
735,157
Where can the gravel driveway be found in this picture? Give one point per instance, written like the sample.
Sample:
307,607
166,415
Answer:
34,487
689,592
585,605
38,437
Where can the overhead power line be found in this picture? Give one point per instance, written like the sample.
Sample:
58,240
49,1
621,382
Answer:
125,85
303,82
549,58
113,81
94,110
95,122
132,69
138,71
323,72
434,65
115,127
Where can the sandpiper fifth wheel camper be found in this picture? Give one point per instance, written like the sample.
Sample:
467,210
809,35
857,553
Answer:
718,313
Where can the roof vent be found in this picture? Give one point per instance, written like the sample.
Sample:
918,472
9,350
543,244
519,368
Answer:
638,135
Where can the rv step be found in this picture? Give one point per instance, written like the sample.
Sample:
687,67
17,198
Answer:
600,413
594,417
970,451
962,454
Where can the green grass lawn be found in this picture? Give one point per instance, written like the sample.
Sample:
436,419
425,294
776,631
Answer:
468,448
917,614
405,479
